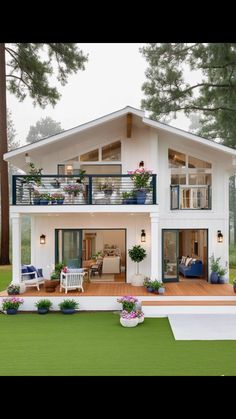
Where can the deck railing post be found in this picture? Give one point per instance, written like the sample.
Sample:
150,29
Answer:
90,191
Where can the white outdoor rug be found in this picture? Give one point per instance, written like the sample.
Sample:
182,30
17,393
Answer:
203,326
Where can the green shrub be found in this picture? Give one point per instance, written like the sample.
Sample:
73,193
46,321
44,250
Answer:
68,304
44,304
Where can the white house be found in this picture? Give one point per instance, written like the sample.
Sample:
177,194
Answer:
185,212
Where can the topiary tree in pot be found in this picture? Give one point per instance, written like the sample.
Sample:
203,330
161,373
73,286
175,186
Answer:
137,254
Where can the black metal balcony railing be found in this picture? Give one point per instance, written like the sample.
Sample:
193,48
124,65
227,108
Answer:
74,190
190,197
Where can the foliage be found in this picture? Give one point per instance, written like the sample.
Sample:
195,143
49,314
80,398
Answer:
215,263
126,195
137,253
58,196
43,128
128,302
57,271
68,304
140,177
167,90
28,72
13,302
73,188
13,289
11,133
45,303
222,271
108,185
34,174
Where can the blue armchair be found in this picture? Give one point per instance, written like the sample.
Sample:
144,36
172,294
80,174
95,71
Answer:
194,269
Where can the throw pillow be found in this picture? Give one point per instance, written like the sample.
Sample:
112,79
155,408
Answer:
39,273
31,268
188,261
183,260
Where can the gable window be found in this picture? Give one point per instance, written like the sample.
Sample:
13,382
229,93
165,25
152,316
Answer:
188,170
112,151
90,156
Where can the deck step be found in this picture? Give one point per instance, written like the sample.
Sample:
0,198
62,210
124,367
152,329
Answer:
166,308
190,303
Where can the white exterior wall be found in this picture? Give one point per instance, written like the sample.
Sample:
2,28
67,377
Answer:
213,220
44,255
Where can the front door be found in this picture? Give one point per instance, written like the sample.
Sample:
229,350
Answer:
69,247
170,251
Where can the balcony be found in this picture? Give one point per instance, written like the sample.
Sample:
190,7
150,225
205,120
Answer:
190,197
76,190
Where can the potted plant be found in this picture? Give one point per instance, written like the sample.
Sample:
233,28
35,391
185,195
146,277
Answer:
140,316
221,272
137,254
129,198
161,289
107,187
36,197
13,289
68,306
11,305
215,267
43,306
148,284
73,188
128,303
45,198
58,198
155,286
141,180
129,319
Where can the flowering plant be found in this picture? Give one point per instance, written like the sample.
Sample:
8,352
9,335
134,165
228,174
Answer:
13,302
65,269
140,177
13,289
73,188
139,313
128,315
58,196
128,302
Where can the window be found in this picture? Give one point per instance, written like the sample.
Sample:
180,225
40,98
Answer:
189,170
176,159
65,169
112,151
90,156
194,163
101,169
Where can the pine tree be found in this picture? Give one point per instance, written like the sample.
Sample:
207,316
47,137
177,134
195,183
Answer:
25,69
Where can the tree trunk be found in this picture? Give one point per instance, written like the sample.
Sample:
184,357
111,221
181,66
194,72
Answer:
234,208
4,254
137,270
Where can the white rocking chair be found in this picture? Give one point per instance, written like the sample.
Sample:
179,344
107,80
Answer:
71,280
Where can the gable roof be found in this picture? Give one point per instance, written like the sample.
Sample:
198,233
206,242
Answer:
114,115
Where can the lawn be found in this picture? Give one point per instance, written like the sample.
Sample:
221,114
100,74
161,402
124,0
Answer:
96,344
5,277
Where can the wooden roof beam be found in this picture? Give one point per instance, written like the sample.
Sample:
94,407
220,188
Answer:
129,125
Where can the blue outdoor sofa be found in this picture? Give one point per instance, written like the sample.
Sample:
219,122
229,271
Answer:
194,269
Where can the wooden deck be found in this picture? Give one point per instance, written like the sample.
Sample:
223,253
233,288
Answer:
196,287
189,303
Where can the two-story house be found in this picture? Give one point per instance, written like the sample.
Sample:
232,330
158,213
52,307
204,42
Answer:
85,203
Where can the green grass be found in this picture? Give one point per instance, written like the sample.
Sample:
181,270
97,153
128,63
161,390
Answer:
96,344
5,277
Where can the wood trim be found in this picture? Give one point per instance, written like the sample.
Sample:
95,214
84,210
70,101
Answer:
129,125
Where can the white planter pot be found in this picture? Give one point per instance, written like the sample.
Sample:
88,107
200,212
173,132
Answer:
129,322
137,280
141,319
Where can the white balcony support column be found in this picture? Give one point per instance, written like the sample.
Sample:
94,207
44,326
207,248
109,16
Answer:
154,244
16,248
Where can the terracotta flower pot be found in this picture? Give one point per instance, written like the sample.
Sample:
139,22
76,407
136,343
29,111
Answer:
51,285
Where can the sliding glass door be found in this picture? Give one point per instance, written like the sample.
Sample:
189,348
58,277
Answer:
69,247
170,251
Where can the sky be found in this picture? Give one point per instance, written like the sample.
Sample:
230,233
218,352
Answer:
112,80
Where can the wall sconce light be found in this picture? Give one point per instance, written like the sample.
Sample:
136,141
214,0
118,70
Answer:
143,236
219,236
42,239
27,158
141,164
